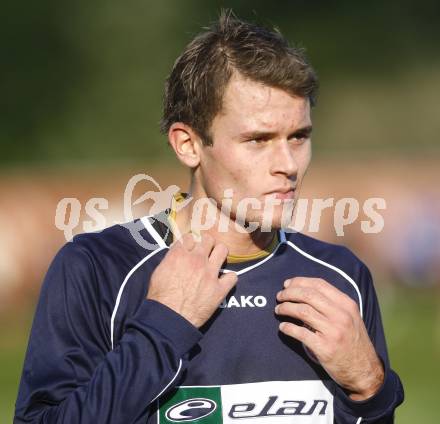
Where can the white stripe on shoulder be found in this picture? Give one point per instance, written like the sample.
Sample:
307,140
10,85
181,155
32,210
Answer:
162,246
157,238
334,268
121,289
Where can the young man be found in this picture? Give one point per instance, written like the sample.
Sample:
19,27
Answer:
224,324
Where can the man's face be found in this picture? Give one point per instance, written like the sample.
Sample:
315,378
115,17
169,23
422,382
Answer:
261,149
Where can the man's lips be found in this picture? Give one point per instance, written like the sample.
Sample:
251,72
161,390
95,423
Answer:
283,194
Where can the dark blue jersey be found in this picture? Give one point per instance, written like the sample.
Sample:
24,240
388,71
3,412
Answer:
99,352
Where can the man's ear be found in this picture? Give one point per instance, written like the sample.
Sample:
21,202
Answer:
186,144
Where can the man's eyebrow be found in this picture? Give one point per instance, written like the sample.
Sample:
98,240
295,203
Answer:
307,130
249,135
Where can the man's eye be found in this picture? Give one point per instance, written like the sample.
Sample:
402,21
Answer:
298,139
258,140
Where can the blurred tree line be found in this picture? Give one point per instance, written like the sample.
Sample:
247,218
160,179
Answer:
82,81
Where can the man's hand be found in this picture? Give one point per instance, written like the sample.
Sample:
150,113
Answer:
187,279
334,332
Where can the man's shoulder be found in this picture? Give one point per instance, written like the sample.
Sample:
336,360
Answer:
129,242
129,237
332,254
101,259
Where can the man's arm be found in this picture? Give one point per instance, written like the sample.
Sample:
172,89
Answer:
351,350
71,374
380,407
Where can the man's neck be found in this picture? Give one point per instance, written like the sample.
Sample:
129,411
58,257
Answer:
240,243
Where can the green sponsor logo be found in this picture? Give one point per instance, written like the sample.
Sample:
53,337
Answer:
192,404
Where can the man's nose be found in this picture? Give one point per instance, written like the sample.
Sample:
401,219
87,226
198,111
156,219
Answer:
284,159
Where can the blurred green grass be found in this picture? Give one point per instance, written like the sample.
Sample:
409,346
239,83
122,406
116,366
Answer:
411,318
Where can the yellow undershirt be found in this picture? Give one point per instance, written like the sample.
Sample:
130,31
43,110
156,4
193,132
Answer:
232,259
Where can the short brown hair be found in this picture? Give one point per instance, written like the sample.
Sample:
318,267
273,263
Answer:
194,89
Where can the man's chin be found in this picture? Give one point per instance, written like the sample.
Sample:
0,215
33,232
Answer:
267,220
258,224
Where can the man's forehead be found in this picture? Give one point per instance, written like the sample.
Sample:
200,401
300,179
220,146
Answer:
251,104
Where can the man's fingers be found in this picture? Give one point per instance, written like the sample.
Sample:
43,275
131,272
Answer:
202,243
298,332
206,243
307,295
319,293
305,313
228,280
318,284
218,256
187,242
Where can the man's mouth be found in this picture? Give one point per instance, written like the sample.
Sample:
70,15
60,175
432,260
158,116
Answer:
283,194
